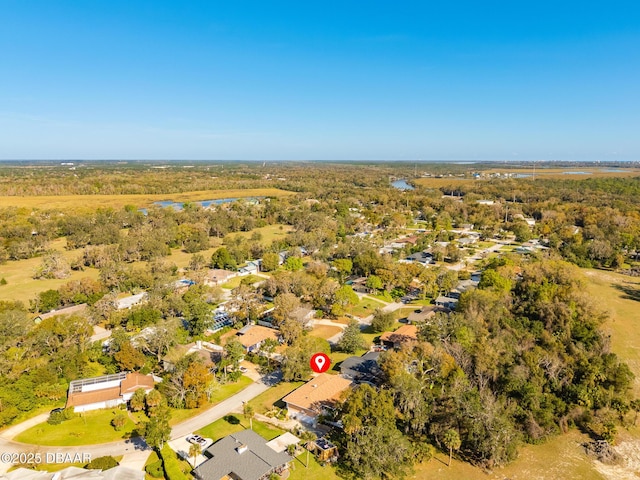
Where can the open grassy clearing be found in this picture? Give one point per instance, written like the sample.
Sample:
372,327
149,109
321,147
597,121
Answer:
269,233
366,307
84,429
589,172
431,182
266,401
235,281
560,458
620,296
236,423
314,472
325,331
117,201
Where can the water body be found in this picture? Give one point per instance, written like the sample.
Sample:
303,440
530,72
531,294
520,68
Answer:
576,173
523,175
402,185
615,170
203,203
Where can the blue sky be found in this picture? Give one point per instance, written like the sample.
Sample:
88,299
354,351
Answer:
478,80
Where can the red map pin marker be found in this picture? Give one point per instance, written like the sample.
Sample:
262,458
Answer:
320,363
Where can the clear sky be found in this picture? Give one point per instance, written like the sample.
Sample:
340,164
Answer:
233,79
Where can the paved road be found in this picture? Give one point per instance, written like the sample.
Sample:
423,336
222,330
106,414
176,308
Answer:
136,445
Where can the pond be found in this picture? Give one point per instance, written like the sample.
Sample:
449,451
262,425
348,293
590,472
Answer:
202,203
402,185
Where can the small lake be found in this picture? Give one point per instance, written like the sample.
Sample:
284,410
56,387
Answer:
402,185
202,203
576,173
615,170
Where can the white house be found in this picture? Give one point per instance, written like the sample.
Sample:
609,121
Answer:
107,391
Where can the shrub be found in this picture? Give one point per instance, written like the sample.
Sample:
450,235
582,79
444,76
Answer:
172,470
155,469
102,463
119,421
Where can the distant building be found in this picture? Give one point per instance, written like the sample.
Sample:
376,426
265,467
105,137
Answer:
405,335
107,391
243,455
73,310
315,397
485,202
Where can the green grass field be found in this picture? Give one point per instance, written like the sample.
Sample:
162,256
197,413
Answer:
314,472
227,425
235,281
365,307
85,429
619,295
267,400
76,202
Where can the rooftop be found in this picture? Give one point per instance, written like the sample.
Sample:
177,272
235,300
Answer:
243,455
323,389
256,334
405,333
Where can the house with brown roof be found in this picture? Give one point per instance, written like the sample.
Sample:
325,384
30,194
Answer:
72,310
405,335
253,336
315,397
107,391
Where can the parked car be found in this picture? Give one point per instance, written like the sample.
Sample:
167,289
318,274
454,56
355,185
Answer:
195,439
243,369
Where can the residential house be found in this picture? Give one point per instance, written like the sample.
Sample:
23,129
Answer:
130,301
73,310
364,369
403,336
485,202
317,396
243,455
253,336
467,241
423,258
208,353
107,391
424,314
446,302
251,267
217,276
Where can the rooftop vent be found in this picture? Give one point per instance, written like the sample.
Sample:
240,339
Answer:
242,448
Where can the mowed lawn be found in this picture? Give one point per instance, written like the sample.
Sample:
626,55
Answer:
366,307
84,429
270,399
116,201
236,423
325,331
314,472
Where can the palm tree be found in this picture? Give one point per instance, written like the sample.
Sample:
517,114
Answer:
194,451
452,441
248,413
307,437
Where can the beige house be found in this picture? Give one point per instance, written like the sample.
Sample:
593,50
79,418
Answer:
315,397
107,391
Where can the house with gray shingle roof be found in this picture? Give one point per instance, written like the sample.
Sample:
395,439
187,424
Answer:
243,455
